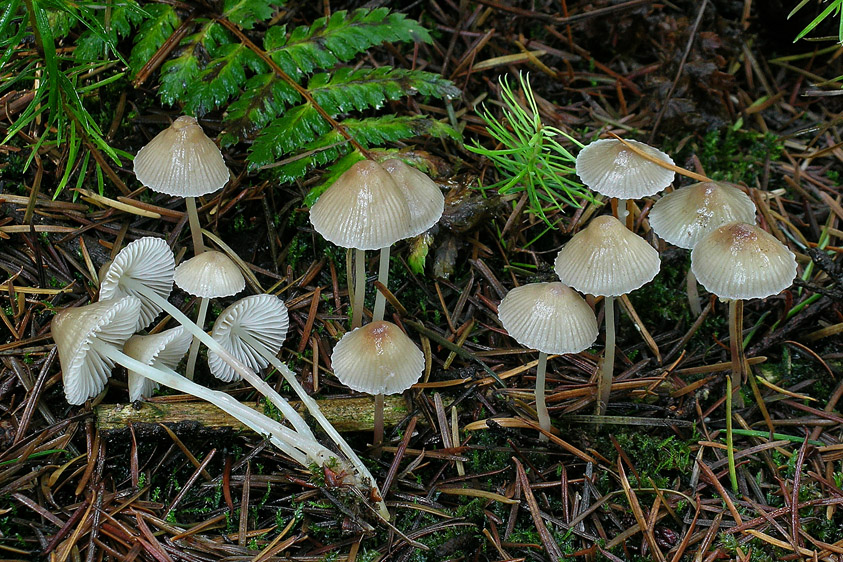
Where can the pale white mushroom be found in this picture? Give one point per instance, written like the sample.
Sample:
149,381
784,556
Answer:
182,161
164,349
209,275
607,259
364,209
551,318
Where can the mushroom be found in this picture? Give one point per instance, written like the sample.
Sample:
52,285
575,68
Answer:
606,259
209,275
737,262
377,359
89,339
182,161
364,209
164,349
253,330
551,318
611,169
426,204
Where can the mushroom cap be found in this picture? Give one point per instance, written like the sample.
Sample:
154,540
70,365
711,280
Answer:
687,215
606,259
84,370
377,358
210,275
163,349
181,160
363,209
549,317
742,261
264,317
424,198
608,167
148,261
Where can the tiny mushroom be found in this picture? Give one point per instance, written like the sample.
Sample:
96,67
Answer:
377,359
606,259
182,161
551,318
209,275
364,209
608,167
737,262
163,349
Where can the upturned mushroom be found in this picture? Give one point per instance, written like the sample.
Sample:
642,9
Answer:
182,161
606,259
550,318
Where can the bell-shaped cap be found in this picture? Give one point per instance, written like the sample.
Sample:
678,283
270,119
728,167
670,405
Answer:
210,275
84,370
687,215
147,261
363,209
606,259
263,317
181,160
424,198
742,261
164,349
377,358
608,167
549,317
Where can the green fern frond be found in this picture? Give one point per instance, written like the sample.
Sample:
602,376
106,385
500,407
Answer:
246,13
163,19
222,78
264,97
340,38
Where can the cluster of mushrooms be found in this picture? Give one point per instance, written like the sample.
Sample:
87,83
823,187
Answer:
370,207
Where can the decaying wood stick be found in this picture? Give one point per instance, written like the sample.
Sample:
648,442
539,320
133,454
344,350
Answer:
347,414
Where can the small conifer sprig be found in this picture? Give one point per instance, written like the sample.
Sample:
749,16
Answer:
217,67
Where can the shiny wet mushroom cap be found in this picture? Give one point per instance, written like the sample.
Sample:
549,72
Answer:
181,161
424,198
606,259
610,168
210,275
687,215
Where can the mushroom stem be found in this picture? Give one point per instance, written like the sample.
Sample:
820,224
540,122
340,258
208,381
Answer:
260,385
604,381
541,405
383,278
693,294
194,345
312,406
736,345
302,450
195,229
623,212
359,288
377,438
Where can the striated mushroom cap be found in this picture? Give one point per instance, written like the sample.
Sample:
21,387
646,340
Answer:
263,317
608,167
377,358
549,317
210,275
687,215
181,160
84,370
742,261
607,259
147,261
424,198
164,349
363,209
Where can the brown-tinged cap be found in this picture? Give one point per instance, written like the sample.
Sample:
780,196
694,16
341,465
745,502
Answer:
742,261
424,198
